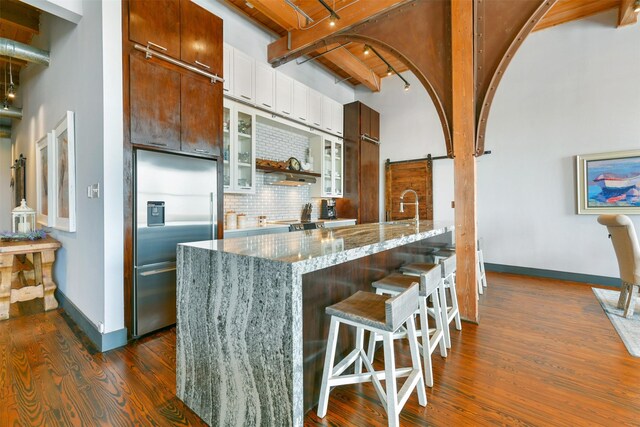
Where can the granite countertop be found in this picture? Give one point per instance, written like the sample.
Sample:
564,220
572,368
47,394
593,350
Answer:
274,224
332,245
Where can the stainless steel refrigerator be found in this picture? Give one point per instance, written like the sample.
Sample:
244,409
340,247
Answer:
176,201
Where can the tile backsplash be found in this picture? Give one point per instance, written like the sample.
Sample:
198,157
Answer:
277,202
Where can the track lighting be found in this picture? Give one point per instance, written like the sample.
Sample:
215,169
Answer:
333,16
5,104
636,6
366,50
389,71
406,87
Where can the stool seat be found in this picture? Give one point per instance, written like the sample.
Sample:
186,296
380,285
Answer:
395,282
418,267
362,307
398,282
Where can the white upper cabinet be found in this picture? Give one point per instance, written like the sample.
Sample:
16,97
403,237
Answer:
284,94
327,114
243,76
300,102
315,108
227,70
265,86
337,117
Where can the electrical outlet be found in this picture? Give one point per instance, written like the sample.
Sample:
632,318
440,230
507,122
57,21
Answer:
101,327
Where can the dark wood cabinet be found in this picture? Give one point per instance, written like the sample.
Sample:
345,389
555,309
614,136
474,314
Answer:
154,94
200,38
170,106
157,23
201,110
361,164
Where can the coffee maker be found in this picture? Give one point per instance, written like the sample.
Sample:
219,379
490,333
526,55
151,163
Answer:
328,209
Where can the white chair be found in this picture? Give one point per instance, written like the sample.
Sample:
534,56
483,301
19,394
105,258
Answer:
625,243
384,316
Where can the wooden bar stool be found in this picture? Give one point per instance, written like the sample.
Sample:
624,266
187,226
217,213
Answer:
381,315
448,270
430,338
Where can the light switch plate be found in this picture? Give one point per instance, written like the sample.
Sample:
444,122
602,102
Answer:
93,191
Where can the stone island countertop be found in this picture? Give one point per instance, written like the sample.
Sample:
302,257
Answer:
240,345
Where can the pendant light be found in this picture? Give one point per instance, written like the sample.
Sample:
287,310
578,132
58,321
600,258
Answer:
11,92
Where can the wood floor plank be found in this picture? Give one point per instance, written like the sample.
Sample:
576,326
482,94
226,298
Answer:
543,354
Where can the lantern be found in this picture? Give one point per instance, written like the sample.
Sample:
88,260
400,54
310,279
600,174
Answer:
24,218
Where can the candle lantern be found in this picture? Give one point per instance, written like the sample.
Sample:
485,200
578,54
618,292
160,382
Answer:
24,218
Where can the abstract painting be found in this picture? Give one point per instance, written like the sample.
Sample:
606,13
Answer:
43,180
609,183
63,183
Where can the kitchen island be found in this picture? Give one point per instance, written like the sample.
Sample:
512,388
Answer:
251,330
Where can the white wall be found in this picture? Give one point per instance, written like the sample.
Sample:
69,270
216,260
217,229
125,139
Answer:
570,90
74,81
242,34
6,195
410,129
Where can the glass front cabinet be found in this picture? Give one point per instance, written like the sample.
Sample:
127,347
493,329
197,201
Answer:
330,152
239,150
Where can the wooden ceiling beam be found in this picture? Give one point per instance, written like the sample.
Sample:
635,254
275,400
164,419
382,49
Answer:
280,52
627,14
287,18
355,68
20,15
571,10
279,12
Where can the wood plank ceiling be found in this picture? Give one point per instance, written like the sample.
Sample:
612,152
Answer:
351,62
18,22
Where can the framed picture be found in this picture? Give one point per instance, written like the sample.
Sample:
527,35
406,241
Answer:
63,181
609,183
44,201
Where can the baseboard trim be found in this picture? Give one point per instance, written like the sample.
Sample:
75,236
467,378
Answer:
103,342
553,274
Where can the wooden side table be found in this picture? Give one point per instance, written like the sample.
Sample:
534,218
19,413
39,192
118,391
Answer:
43,252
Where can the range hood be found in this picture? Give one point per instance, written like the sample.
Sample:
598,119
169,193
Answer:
292,179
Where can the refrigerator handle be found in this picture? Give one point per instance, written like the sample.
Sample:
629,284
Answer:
213,210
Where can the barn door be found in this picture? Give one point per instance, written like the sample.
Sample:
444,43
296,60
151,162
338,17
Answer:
416,175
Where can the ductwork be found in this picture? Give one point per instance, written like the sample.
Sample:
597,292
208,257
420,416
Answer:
5,131
12,112
23,51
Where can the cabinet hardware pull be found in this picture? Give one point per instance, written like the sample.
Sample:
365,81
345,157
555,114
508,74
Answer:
245,97
156,45
200,150
150,53
158,271
161,144
302,118
266,105
285,112
203,65
367,138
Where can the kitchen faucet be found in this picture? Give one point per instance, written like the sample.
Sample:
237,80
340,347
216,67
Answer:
402,203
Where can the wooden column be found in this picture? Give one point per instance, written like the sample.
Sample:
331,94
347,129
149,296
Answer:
464,159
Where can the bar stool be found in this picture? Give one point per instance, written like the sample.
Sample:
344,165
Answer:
430,339
385,316
448,269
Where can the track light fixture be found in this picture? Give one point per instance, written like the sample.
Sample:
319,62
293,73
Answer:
366,50
636,6
5,104
390,69
11,91
333,16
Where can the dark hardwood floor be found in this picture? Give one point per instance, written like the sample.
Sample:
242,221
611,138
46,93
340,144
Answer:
544,354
